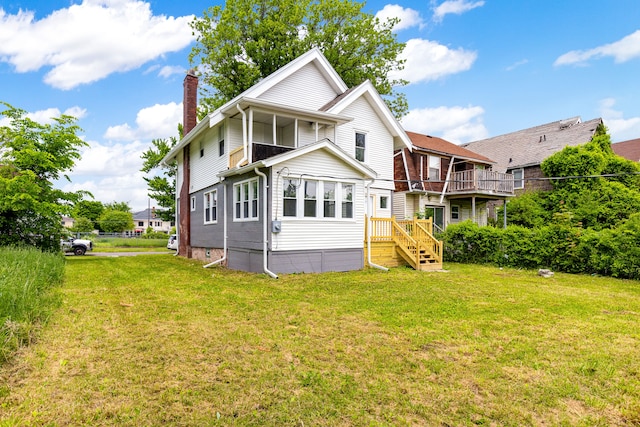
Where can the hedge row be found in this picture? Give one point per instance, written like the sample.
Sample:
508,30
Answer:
560,247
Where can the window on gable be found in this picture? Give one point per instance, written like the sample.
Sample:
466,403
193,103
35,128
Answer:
245,200
434,168
360,146
201,149
210,207
221,140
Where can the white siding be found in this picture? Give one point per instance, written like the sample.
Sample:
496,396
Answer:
318,233
379,142
204,169
307,88
234,133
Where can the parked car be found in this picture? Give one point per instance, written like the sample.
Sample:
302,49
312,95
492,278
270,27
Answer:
77,246
173,242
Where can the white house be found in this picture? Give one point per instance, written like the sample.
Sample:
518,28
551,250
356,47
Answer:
282,178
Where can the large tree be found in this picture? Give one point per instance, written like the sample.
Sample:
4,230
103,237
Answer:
247,40
162,184
32,157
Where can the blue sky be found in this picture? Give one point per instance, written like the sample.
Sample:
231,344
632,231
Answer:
478,68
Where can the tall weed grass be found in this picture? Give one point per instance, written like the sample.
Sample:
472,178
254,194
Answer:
28,281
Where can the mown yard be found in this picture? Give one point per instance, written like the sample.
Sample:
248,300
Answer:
158,340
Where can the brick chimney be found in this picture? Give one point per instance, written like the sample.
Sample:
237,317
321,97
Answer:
189,120
190,102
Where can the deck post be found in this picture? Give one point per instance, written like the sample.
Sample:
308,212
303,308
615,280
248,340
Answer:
473,209
504,212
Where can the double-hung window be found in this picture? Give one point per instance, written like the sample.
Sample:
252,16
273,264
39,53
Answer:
518,178
347,200
245,200
310,198
290,198
361,141
329,200
317,199
211,207
434,168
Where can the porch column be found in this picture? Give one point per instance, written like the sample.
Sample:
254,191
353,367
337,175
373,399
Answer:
473,209
504,212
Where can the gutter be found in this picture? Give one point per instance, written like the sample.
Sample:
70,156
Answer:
264,226
224,244
371,264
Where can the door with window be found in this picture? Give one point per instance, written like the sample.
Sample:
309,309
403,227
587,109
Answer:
437,213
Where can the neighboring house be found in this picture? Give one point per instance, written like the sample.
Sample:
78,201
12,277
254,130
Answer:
147,218
628,149
521,153
68,222
282,178
446,182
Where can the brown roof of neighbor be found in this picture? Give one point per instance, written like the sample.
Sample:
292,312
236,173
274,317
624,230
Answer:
439,145
529,147
628,149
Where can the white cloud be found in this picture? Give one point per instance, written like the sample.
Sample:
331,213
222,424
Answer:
517,64
86,42
427,60
457,7
620,129
408,17
157,121
623,50
454,124
46,117
168,71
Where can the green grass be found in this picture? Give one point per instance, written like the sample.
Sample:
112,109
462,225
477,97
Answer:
117,244
28,281
158,340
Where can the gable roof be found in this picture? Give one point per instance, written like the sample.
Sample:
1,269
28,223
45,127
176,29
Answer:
440,146
628,149
323,144
367,89
312,56
529,147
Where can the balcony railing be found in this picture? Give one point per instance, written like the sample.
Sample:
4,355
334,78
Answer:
483,181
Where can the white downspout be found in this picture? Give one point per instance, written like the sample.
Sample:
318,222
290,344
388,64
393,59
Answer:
371,264
244,137
224,221
446,182
265,226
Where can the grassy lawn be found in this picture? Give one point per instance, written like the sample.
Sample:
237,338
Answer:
133,244
158,340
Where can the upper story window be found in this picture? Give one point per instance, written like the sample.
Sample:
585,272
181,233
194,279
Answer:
434,168
245,200
201,149
221,140
193,203
361,145
301,199
211,207
518,178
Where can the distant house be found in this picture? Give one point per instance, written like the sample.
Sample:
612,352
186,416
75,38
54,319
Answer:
285,177
68,222
147,218
521,153
628,149
446,182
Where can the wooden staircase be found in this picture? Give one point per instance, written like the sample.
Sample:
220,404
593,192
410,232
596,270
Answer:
407,242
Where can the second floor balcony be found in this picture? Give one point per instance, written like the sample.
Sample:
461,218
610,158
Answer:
481,181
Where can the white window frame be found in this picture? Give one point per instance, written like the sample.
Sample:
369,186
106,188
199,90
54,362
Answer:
435,163
386,202
518,180
210,199
455,212
301,200
363,149
193,203
221,145
246,200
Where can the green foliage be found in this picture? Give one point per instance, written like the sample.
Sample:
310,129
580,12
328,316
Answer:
162,188
27,277
560,246
248,40
82,225
118,206
90,209
528,210
115,221
32,157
